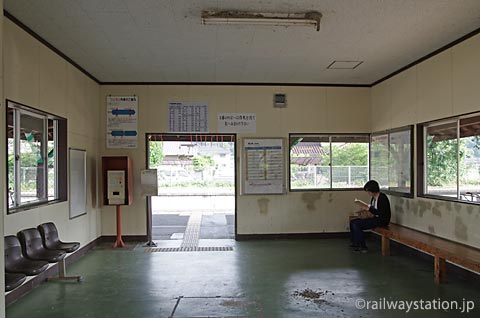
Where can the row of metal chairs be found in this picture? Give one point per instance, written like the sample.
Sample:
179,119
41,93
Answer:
31,250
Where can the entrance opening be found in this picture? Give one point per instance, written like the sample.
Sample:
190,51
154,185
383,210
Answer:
196,186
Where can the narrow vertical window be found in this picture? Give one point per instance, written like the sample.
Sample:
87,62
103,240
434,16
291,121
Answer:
391,156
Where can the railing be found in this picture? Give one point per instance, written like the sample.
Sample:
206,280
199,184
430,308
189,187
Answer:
319,177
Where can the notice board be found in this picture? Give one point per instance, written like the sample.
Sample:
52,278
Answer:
78,182
264,166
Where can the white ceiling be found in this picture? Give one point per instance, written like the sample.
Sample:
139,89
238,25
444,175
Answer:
164,41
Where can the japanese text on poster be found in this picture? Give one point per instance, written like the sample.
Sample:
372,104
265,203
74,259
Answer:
264,166
237,122
122,119
188,117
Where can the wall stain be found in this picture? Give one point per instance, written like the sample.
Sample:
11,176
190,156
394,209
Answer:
310,198
399,208
263,205
470,209
458,207
431,229
423,207
407,204
330,197
460,229
414,208
436,210
448,206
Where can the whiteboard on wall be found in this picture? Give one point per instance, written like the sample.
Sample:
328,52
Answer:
78,182
263,166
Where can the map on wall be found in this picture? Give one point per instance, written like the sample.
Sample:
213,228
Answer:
122,121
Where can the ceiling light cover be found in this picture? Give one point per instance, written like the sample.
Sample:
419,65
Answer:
344,65
311,18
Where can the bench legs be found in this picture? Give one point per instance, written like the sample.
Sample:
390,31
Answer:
439,270
62,273
385,246
439,263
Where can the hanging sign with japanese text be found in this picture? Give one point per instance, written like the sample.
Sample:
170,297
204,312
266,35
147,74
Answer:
237,122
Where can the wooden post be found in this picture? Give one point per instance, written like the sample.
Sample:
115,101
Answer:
385,246
119,241
439,269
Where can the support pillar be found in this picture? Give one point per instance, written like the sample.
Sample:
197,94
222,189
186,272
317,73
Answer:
119,241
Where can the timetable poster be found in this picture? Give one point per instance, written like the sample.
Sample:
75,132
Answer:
264,166
188,117
122,121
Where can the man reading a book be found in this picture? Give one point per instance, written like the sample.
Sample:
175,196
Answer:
372,215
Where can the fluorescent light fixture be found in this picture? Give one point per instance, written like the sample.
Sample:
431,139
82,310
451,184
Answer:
311,18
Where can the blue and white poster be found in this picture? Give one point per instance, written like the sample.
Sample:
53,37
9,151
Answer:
122,121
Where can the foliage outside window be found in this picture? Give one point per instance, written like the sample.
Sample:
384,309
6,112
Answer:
391,158
328,161
451,152
33,157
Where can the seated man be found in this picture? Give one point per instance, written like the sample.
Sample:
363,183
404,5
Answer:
375,214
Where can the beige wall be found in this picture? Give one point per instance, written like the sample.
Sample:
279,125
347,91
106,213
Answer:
37,77
442,86
310,110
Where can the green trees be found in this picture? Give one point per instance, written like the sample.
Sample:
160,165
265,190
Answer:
442,160
350,154
156,153
201,162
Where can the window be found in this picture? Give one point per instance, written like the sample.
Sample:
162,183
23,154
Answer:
328,161
36,144
391,158
449,159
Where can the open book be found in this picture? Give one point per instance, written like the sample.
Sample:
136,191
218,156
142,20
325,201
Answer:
360,202
363,214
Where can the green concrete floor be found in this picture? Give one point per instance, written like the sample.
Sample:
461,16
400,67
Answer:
256,279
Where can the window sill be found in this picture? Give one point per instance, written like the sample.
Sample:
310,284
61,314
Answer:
31,206
442,198
325,189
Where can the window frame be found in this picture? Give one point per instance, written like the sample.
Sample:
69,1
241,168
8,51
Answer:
60,155
329,136
387,190
422,160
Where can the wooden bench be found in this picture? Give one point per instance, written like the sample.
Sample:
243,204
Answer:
442,250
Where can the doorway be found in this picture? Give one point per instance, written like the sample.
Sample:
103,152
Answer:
196,187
